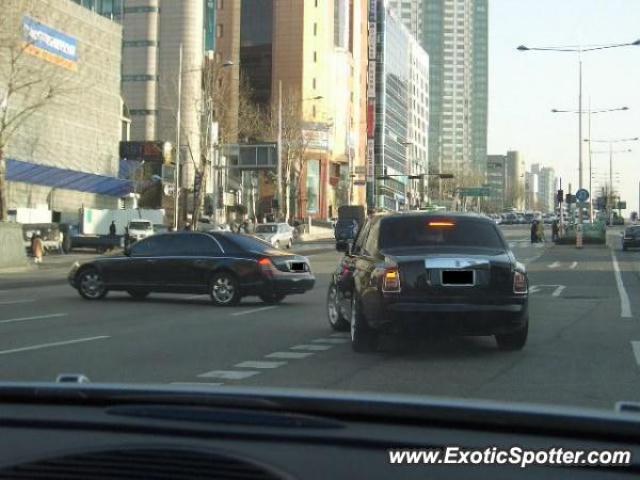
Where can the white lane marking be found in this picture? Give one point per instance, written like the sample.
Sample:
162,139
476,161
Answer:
558,291
194,297
228,374
553,265
334,341
255,310
13,302
289,355
573,265
534,289
635,345
312,348
37,317
259,364
208,384
625,305
52,344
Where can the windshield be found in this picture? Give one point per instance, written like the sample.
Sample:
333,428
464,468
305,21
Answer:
423,197
140,226
431,232
266,229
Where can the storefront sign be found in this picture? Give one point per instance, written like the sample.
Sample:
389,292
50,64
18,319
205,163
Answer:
49,44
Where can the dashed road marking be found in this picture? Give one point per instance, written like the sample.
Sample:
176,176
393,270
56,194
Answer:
52,344
312,348
625,305
207,384
553,265
259,364
558,291
289,355
255,310
229,374
635,345
335,341
37,317
14,302
573,265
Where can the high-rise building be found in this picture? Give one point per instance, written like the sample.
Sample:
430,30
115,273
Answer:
547,188
402,92
455,35
496,175
514,181
410,14
316,51
532,191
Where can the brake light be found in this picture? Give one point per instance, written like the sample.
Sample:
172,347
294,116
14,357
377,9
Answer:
519,283
266,267
442,224
391,280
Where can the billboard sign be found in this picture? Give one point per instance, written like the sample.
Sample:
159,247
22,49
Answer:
372,40
49,44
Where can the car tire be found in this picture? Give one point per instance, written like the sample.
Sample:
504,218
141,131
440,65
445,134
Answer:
272,298
138,294
91,284
515,340
363,338
337,321
224,289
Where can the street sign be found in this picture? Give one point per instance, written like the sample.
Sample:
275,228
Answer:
582,195
475,192
360,182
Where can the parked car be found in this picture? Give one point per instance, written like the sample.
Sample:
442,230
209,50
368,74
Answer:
277,234
228,266
139,229
631,237
434,272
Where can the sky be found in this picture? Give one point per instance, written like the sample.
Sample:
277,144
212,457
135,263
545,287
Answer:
525,86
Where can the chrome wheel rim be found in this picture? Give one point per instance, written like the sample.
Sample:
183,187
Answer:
332,305
91,284
223,290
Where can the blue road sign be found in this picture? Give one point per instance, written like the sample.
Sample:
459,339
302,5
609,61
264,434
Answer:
582,195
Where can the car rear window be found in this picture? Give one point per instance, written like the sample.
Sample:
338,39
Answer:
140,225
438,231
245,243
266,228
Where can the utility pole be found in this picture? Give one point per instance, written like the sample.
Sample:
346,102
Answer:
176,206
611,183
279,140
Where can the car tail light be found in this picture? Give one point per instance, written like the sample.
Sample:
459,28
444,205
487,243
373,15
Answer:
519,283
391,280
266,267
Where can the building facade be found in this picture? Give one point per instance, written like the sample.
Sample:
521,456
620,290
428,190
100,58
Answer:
547,184
496,176
532,191
455,34
316,54
514,181
410,14
65,155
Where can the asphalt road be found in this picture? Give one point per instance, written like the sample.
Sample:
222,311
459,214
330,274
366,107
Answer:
583,349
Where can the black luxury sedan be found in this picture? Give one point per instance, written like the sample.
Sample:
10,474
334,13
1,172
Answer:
631,237
226,265
451,273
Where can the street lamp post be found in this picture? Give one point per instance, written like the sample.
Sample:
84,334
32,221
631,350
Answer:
579,50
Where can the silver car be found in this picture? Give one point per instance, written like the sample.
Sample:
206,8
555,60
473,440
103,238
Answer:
277,234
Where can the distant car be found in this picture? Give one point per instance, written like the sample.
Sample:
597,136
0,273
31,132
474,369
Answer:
631,237
159,228
277,234
436,272
227,266
140,229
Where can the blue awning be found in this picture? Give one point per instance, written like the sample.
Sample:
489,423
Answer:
19,171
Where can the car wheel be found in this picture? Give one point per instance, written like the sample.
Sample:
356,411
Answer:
515,340
224,289
363,338
272,298
277,244
138,294
336,319
91,284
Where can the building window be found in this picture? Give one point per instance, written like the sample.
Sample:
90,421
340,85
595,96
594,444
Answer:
220,4
313,111
313,186
219,30
313,83
315,29
315,57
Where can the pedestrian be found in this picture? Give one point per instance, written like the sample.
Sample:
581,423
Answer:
127,238
112,228
534,231
555,230
540,231
37,247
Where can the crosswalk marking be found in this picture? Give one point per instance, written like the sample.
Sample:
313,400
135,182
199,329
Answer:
335,341
289,355
553,265
229,374
312,348
259,364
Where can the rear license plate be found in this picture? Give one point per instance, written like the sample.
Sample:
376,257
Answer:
458,277
298,267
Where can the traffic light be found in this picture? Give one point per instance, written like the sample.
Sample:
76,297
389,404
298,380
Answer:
560,197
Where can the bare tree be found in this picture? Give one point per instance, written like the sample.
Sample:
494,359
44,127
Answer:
27,84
